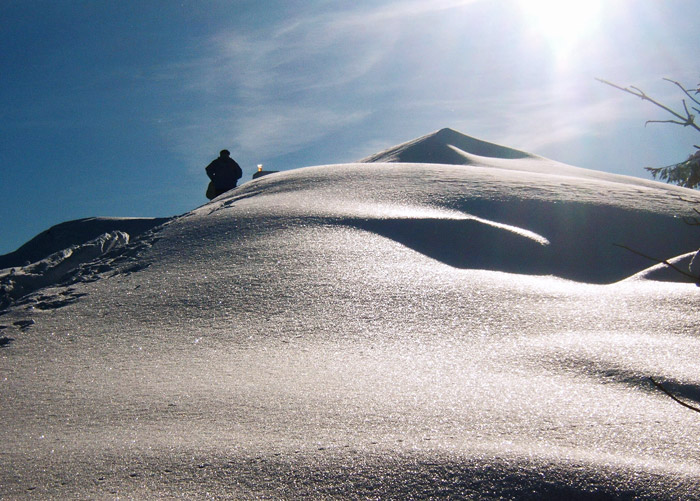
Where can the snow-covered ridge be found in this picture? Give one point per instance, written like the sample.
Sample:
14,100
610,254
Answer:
487,216
18,282
78,257
450,147
433,148
71,233
468,218
387,329
439,210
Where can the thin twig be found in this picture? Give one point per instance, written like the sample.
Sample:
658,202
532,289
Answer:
635,91
692,221
687,120
662,261
676,122
673,397
687,93
687,199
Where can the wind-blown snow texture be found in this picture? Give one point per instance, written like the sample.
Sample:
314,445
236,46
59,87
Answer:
72,233
370,330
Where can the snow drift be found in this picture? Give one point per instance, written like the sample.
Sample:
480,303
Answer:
16,283
376,329
72,233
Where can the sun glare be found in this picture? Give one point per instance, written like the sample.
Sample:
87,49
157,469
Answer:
563,24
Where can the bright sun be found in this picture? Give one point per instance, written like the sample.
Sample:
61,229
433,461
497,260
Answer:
564,24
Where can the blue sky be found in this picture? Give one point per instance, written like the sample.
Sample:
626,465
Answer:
113,108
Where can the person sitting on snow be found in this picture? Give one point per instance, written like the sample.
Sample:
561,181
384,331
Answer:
224,173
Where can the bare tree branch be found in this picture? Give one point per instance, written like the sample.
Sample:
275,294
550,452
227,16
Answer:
686,120
684,124
662,261
673,397
685,107
686,91
692,221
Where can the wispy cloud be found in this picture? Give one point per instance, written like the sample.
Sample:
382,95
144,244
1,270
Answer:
409,65
280,87
258,132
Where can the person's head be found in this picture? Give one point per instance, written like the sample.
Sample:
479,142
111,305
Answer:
224,153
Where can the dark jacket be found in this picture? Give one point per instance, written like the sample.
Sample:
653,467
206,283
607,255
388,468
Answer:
224,173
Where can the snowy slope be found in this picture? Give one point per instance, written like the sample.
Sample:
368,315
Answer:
368,330
72,233
445,146
448,146
57,254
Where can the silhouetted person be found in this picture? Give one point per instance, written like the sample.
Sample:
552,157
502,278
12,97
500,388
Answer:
224,173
